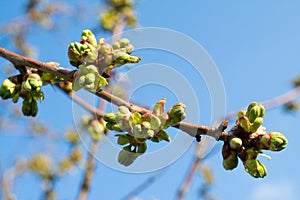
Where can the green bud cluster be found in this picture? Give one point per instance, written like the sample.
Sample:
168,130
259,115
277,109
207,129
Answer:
29,90
251,119
117,9
142,127
94,127
88,77
95,59
248,139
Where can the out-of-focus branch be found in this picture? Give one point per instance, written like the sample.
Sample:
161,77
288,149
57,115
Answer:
89,172
9,177
274,102
141,187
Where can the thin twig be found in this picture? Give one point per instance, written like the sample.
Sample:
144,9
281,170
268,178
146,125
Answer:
141,187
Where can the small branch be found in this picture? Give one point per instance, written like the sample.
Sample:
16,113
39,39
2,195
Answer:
274,102
67,75
184,187
88,173
140,188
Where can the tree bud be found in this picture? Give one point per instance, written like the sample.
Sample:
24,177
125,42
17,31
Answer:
256,124
235,143
278,141
231,161
244,123
88,36
110,117
255,168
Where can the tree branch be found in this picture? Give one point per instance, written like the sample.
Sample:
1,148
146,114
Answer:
67,75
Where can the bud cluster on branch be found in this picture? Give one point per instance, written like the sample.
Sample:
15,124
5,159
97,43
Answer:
247,139
94,60
140,128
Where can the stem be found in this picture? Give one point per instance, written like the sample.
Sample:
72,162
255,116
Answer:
184,187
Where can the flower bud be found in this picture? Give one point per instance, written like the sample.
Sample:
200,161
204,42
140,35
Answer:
242,113
74,53
110,126
129,48
124,110
159,107
35,80
251,105
8,85
34,108
7,94
26,108
83,78
150,133
2,91
262,111
278,141
235,143
26,87
124,42
244,123
256,124
254,112
15,98
103,47
155,122
90,56
110,117
90,78
146,125
255,168
231,161
177,113
122,58
116,45
88,36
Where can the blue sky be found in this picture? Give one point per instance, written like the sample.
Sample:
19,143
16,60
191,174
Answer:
254,44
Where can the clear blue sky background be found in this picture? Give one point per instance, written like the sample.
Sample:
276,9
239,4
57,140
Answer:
255,44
